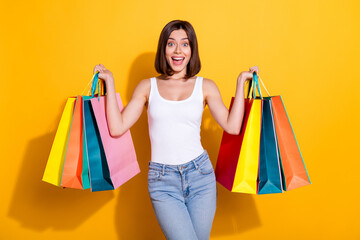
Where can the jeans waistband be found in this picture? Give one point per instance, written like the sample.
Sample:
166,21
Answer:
181,167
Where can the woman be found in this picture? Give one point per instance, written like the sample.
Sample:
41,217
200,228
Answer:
181,179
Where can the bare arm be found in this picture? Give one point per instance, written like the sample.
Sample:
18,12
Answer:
230,121
120,122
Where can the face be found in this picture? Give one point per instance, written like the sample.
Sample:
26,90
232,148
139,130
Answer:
178,51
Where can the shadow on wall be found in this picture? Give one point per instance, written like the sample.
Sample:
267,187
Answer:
134,216
38,205
236,212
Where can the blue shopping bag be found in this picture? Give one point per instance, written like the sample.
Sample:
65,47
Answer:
99,173
269,177
85,172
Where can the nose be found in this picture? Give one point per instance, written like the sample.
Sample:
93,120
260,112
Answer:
177,49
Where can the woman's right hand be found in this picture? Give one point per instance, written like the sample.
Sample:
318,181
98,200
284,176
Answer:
247,75
104,74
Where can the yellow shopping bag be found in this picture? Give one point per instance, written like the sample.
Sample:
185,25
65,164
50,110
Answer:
247,168
55,163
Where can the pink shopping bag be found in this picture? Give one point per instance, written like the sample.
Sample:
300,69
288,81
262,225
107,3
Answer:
119,151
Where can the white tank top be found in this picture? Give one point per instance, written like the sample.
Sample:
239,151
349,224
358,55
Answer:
174,126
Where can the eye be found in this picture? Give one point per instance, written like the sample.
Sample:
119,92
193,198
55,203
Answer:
186,44
170,44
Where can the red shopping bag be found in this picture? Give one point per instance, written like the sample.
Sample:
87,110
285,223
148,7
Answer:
238,159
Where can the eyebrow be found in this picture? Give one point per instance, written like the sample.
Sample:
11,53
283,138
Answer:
181,39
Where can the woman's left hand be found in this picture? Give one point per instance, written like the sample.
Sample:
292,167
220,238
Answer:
246,75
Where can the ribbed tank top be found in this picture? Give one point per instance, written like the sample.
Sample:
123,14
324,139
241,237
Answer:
174,126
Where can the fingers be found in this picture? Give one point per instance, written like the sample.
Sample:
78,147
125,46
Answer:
100,68
254,69
96,69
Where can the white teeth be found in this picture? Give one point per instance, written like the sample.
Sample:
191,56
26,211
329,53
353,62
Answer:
178,58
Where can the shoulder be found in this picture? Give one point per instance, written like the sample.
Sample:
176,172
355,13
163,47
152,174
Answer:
209,86
210,89
208,82
143,88
144,84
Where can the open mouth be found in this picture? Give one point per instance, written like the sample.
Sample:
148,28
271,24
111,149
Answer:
177,60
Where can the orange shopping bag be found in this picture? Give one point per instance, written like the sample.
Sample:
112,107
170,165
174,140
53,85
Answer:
294,170
71,175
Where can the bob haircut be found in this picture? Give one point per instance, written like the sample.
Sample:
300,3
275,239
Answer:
161,65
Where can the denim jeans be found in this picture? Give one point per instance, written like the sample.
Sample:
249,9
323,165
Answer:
184,197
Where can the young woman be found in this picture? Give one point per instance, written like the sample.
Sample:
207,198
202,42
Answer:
181,179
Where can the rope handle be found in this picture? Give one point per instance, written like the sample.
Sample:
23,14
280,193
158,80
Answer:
95,83
254,85
263,85
250,92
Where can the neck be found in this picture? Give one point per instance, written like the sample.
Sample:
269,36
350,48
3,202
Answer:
177,75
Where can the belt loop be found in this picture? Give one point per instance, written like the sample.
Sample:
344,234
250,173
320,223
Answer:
196,166
163,170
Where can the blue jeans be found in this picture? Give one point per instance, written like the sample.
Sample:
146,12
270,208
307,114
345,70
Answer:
184,197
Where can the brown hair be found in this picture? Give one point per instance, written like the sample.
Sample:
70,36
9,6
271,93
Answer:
161,65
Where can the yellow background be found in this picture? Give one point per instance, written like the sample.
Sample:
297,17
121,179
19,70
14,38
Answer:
307,51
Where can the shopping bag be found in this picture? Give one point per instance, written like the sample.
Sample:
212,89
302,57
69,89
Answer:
295,173
85,174
112,160
55,163
280,163
84,155
238,159
71,174
99,172
229,152
293,170
270,180
85,171
119,151
75,172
